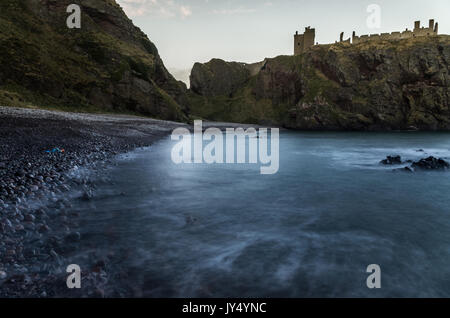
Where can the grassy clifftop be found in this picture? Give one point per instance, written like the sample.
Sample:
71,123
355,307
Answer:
107,65
370,86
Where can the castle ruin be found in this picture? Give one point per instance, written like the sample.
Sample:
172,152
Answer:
306,40
431,30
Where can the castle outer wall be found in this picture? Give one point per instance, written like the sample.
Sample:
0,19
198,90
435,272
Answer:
431,30
303,42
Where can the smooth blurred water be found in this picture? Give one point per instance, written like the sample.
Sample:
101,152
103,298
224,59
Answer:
309,231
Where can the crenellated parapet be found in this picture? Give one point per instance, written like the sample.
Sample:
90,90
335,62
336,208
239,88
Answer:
418,31
306,40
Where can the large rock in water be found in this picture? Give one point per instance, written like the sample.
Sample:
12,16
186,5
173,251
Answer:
108,64
381,85
431,163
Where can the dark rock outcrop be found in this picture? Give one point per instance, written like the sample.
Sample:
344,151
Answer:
431,163
384,85
392,160
107,65
218,77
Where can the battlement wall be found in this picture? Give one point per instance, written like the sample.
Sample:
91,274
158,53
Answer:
304,41
431,30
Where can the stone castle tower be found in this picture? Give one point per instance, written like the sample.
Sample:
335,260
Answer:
304,41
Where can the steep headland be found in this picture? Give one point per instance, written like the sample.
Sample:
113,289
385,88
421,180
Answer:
108,65
382,85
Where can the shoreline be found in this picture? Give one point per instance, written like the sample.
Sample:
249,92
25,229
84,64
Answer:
39,151
27,134
38,188
34,226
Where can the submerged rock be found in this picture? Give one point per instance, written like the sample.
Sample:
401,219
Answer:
74,237
87,195
405,169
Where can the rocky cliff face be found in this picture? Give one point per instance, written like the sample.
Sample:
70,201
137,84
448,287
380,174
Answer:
107,65
212,79
370,86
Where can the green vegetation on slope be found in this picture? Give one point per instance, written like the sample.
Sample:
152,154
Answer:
108,65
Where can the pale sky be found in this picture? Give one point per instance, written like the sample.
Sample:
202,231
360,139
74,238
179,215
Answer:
189,31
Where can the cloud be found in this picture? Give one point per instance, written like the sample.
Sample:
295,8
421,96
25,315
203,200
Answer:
161,8
239,10
185,11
